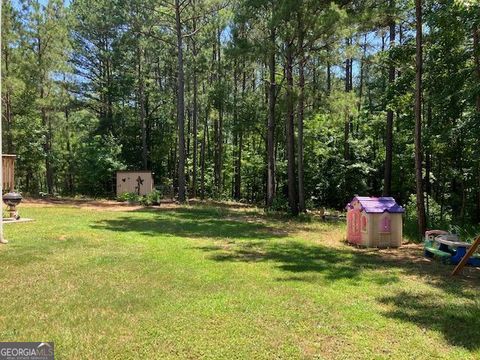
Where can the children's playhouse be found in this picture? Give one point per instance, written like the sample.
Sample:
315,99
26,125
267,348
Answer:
375,222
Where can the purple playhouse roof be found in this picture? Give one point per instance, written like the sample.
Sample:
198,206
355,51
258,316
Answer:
378,205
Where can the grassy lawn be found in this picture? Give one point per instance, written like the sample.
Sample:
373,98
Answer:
210,282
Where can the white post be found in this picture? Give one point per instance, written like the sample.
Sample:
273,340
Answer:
2,240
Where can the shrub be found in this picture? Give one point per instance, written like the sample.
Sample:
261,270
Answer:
148,200
129,197
151,199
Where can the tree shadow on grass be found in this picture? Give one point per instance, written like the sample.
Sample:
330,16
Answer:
192,223
346,262
457,320
291,257
459,323
454,312
237,240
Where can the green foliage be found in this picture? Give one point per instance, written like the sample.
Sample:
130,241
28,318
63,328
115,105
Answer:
279,204
98,157
77,78
129,197
437,217
152,198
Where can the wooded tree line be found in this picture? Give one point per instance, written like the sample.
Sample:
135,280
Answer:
294,104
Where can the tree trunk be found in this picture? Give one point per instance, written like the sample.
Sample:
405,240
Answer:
387,180
362,75
422,222
195,133
350,79
195,111
46,123
180,107
235,127
476,54
202,156
70,175
476,50
346,134
238,164
188,131
292,193
216,157
220,153
428,163
48,150
300,115
220,119
329,78
218,123
271,124
8,114
141,108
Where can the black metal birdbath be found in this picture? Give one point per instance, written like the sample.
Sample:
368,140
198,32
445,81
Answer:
12,199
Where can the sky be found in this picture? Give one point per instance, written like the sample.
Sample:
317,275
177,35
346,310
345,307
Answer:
16,3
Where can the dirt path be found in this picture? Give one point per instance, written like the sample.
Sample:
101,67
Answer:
100,205
112,205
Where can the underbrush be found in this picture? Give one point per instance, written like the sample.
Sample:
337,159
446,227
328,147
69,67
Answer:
150,199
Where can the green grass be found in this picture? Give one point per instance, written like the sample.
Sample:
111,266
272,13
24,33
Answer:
224,283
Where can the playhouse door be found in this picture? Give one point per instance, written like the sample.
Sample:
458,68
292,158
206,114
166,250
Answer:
356,232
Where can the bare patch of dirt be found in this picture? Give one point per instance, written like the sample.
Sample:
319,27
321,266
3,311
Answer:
100,205
112,205
407,252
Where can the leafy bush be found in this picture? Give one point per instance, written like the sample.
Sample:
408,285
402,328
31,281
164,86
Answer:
129,197
148,200
151,199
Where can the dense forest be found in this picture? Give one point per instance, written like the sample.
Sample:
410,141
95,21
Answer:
294,104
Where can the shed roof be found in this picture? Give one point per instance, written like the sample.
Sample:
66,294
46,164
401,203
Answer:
377,205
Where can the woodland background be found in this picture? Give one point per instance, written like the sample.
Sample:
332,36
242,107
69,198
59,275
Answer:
291,104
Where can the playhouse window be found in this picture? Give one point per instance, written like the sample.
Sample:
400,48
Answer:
364,223
385,225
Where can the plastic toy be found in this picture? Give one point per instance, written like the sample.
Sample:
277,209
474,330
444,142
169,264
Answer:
374,222
448,248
